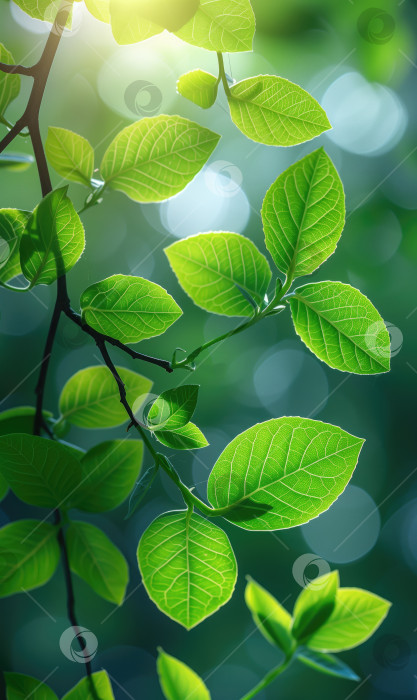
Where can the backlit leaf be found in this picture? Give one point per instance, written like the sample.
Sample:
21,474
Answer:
283,472
199,87
187,566
189,437
341,326
71,155
314,605
156,157
173,408
303,215
271,617
12,226
178,681
9,82
221,25
273,111
83,691
211,267
128,308
21,687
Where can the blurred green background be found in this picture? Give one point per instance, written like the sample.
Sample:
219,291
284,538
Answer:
359,60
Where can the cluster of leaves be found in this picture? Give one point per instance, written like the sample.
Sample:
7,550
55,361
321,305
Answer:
277,474
325,619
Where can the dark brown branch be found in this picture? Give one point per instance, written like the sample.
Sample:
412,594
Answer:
16,69
11,135
122,389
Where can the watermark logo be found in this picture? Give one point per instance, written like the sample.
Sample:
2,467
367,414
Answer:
223,178
308,568
143,98
142,406
372,339
78,644
376,26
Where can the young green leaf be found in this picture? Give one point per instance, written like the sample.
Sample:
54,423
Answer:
128,308
109,473
83,691
314,605
41,9
71,155
210,265
283,472
29,555
276,112
54,239
19,420
12,226
270,616
100,9
90,398
199,87
187,566
178,681
173,408
40,472
156,157
141,490
355,617
326,663
165,13
9,82
341,326
189,437
303,215
95,558
128,24
221,25
20,686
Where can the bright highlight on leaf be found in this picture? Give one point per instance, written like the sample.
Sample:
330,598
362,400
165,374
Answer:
156,157
90,398
173,408
12,226
71,155
128,308
199,87
29,555
303,215
189,437
355,617
341,326
187,565
178,681
83,691
212,267
314,605
283,472
53,241
221,25
40,472
276,112
270,616
94,558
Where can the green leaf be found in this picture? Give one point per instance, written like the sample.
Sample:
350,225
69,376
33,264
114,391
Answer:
71,155
199,87
326,663
356,616
100,9
9,82
189,437
128,308
283,472
303,215
95,558
210,265
142,487
4,487
90,398
156,157
173,408
270,616
83,691
195,558
341,327
19,420
29,555
41,9
221,25
15,162
22,687
109,473
54,239
40,472
178,681
314,605
128,24
275,112
12,226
